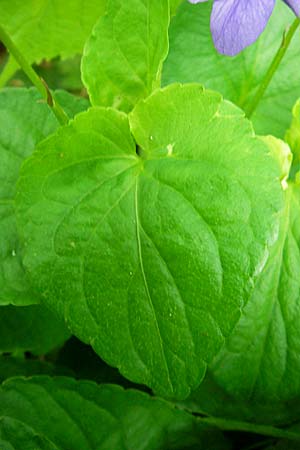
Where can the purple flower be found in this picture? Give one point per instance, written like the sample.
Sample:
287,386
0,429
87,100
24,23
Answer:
235,24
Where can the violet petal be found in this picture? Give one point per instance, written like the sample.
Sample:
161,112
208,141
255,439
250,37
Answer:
235,24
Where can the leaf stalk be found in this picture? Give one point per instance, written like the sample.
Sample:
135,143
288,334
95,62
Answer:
287,38
38,82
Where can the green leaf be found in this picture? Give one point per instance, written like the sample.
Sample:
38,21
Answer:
24,122
44,29
66,411
192,58
135,32
283,445
174,5
85,364
15,434
149,257
261,358
212,400
17,366
30,328
293,137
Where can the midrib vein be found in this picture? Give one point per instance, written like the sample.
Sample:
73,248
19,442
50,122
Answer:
140,255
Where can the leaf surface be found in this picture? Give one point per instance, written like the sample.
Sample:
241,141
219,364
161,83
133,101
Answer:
293,138
123,58
66,411
213,400
25,121
44,29
166,242
11,366
30,328
261,358
14,434
192,58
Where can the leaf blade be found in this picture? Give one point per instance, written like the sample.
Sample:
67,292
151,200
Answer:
136,33
121,255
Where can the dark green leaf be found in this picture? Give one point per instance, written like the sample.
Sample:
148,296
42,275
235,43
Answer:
30,328
85,416
20,366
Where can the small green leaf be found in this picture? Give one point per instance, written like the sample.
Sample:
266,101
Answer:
24,122
192,58
123,58
149,257
65,411
261,358
44,29
30,328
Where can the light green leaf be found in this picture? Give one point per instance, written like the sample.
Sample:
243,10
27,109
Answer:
123,58
261,358
293,137
192,58
30,328
43,29
66,411
174,5
24,122
149,257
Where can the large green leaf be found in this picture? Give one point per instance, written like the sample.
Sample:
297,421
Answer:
24,122
85,416
150,256
193,58
261,358
48,28
123,58
30,328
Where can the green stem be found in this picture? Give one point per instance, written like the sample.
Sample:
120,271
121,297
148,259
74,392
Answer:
287,38
265,430
34,78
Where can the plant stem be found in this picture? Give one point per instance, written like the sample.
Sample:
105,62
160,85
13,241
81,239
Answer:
287,38
34,78
234,425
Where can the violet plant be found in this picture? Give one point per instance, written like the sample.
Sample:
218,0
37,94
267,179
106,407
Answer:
149,225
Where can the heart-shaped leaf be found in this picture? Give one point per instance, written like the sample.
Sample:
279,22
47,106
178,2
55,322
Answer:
147,235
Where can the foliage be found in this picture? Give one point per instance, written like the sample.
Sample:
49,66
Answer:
160,227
